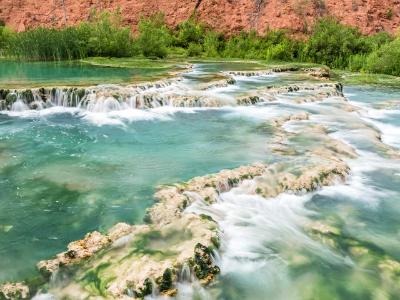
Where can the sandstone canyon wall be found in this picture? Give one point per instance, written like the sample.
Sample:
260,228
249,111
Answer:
226,16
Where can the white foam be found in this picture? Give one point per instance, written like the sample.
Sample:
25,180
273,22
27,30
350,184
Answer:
101,117
41,113
44,297
257,112
390,133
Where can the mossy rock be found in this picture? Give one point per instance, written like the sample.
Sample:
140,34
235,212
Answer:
4,93
10,99
142,292
166,281
203,265
3,105
27,96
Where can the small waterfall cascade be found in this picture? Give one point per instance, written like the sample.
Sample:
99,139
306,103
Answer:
101,98
174,92
106,98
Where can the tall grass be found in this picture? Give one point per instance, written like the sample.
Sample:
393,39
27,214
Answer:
102,36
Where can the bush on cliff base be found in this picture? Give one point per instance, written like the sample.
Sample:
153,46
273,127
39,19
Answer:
385,60
154,37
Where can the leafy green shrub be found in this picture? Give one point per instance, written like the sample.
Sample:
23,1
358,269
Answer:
357,62
280,47
278,52
274,45
195,49
385,60
5,35
213,42
190,32
244,45
333,43
154,36
105,36
373,42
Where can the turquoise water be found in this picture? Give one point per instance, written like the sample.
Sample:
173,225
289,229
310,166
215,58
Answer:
269,253
66,171
61,176
14,74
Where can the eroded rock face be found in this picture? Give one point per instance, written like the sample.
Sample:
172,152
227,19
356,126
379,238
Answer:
77,251
225,15
173,200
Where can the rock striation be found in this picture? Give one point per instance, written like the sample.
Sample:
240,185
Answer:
228,16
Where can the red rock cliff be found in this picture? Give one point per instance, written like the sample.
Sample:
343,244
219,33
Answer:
224,15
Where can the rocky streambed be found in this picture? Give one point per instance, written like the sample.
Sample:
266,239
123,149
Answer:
317,137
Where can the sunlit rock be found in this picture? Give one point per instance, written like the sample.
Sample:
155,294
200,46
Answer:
14,291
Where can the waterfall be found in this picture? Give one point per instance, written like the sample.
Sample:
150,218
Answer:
170,92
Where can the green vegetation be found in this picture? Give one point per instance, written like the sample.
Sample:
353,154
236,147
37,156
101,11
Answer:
385,60
154,37
330,43
103,35
132,62
351,78
96,280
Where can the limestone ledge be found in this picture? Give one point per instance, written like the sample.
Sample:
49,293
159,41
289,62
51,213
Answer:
156,94
301,93
225,82
317,72
173,239
11,291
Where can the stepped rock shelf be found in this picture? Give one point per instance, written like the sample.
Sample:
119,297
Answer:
177,243
169,92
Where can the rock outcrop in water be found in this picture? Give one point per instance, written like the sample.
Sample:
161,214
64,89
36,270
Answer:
171,241
14,291
135,261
